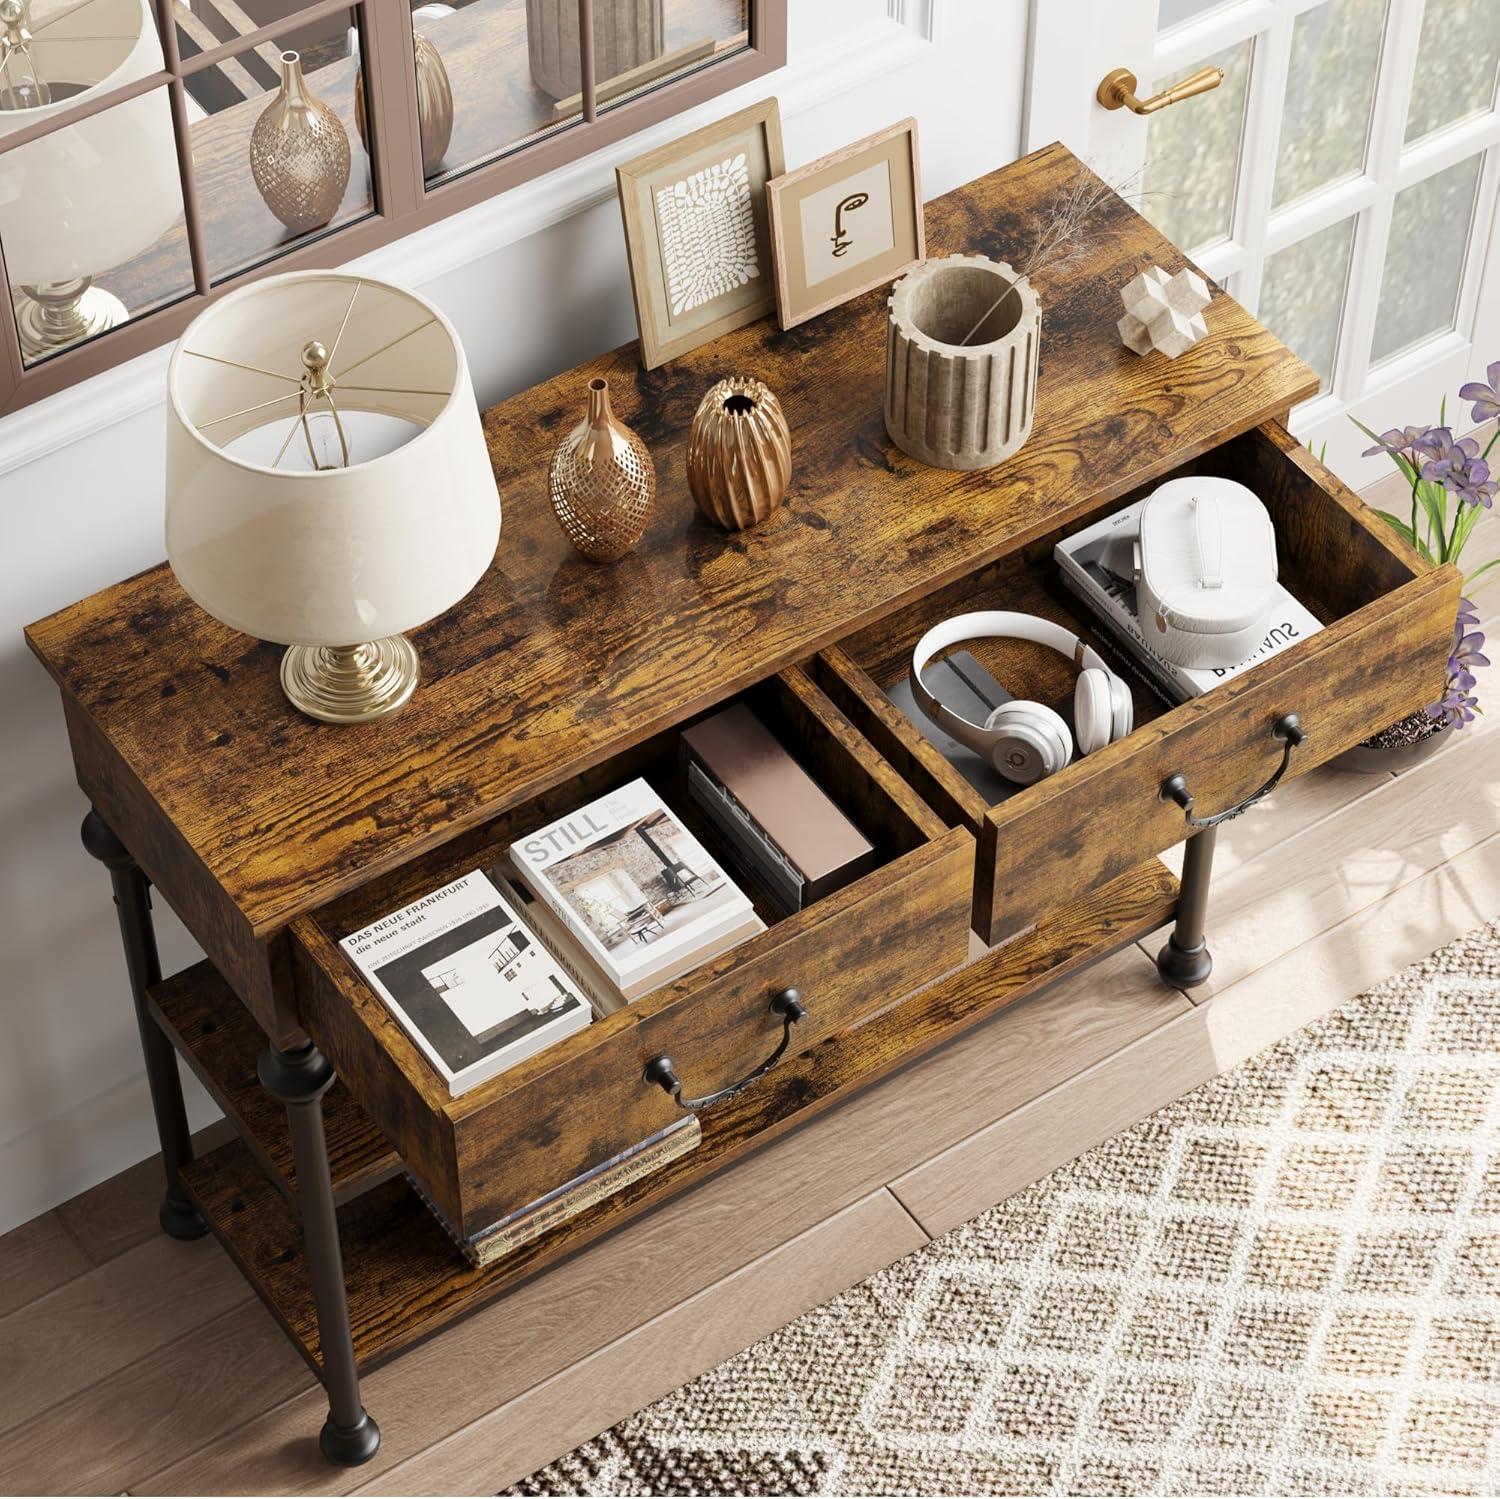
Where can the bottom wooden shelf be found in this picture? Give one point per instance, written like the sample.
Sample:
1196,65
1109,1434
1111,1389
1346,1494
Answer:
405,1278
214,1034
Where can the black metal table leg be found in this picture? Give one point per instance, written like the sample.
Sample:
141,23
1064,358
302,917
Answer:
1185,959
299,1079
178,1216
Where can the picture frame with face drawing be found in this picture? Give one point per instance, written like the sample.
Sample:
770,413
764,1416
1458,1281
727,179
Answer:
847,223
696,233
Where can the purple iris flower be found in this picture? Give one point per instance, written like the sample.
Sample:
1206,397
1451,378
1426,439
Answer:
1458,467
1458,704
1404,442
1486,397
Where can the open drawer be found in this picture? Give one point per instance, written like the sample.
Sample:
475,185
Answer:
508,1141
1387,619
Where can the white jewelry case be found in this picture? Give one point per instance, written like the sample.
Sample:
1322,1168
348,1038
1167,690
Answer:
1205,566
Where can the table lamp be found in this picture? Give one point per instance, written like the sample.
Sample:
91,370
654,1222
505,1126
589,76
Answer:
96,193
328,483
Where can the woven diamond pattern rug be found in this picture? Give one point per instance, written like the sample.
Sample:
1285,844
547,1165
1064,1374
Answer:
1286,1283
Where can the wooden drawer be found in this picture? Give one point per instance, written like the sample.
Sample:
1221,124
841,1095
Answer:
506,1142
1387,618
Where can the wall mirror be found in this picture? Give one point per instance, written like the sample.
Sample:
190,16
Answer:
156,152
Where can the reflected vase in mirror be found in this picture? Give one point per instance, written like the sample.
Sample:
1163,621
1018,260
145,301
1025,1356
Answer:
603,482
299,153
434,95
628,34
434,103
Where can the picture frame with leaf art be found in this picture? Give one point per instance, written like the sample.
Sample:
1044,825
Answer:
696,233
846,223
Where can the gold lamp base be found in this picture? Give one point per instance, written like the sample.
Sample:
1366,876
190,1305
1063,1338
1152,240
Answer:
52,318
350,683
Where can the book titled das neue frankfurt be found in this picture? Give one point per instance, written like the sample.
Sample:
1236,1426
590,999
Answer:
644,898
468,981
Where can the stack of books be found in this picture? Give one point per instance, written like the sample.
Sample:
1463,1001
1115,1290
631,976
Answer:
642,899
780,822
602,906
1096,564
571,1198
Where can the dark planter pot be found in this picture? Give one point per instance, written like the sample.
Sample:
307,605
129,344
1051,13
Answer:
1397,748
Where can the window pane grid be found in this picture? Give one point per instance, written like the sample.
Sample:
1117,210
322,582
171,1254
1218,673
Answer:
176,93
174,67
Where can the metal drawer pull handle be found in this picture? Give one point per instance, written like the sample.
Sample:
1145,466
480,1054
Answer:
1288,729
663,1070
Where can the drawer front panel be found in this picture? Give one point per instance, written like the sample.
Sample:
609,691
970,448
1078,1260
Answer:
1387,617
857,955
1106,815
538,1125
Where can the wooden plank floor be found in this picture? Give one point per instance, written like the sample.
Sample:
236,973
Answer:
128,1362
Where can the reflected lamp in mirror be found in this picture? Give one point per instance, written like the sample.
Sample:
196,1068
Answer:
96,193
328,483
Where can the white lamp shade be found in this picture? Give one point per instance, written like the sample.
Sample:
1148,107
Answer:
99,192
333,556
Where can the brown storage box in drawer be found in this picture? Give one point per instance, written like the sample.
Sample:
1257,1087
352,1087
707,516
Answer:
508,1141
1387,618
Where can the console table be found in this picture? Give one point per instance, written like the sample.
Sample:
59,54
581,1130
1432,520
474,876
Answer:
272,836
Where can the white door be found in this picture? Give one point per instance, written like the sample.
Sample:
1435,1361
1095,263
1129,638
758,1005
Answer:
1340,183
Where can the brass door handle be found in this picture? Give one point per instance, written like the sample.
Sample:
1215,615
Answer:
1117,90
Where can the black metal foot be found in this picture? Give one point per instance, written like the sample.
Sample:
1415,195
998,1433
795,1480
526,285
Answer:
1184,967
350,1445
181,1220
1185,961
300,1079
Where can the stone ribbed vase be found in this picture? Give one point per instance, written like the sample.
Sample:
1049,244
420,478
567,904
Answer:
299,153
961,359
603,482
739,454
434,104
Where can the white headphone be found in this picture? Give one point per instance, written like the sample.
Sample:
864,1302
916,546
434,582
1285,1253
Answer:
1025,741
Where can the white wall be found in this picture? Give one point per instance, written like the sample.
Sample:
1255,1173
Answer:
535,281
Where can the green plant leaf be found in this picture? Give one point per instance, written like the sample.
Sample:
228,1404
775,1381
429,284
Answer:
1396,524
1479,572
1466,523
1433,499
1402,529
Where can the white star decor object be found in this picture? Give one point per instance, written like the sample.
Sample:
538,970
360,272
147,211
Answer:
1164,312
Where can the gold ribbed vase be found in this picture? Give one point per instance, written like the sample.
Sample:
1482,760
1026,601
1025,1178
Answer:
739,454
299,153
603,482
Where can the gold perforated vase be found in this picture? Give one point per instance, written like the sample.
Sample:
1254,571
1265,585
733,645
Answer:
603,482
299,153
739,454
